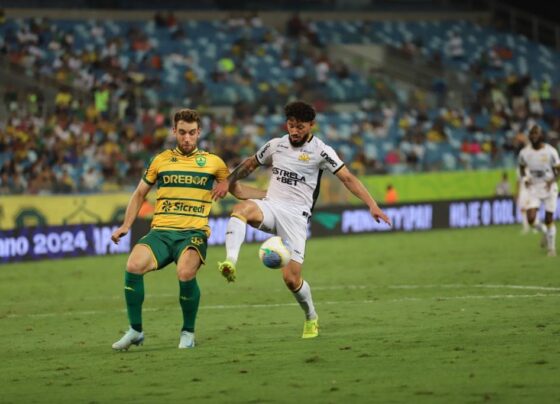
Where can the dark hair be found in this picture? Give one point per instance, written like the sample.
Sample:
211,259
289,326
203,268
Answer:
300,111
187,115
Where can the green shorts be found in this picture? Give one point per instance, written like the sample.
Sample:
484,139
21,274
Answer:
168,245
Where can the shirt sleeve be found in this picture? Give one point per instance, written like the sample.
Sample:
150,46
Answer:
264,154
521,159
150,174
222,172
330,160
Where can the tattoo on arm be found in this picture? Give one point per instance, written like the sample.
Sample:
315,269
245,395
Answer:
243,170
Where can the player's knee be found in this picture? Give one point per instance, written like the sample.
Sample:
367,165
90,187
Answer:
185,274
241,209
135,266
292,282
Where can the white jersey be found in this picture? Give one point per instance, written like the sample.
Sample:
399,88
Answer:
296,171
539,164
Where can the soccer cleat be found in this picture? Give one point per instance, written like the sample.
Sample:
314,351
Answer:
131,337
311,328
551,253
227,269
187,340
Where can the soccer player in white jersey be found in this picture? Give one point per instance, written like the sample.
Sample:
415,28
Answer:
522,200
298,160
539,164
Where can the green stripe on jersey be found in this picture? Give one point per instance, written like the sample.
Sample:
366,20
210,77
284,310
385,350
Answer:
180,214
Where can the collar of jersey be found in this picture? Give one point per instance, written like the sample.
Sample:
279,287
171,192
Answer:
186,155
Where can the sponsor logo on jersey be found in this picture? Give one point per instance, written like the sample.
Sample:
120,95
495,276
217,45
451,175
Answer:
304,157
287,177
328,159
169,179
201,161
181,207
173,159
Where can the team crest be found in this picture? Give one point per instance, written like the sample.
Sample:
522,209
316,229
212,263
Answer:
200,161
304,157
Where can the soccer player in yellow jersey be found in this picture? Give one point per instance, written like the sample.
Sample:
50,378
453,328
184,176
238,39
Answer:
187,181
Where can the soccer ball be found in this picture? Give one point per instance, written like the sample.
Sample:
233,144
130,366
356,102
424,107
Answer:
274,254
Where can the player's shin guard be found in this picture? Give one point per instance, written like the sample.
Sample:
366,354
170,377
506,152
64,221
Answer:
305,300
235,235
189,298
551,237
134,296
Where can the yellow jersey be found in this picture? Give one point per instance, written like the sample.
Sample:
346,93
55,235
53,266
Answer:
184,185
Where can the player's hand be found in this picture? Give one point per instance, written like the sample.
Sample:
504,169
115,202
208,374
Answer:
220,190
117,234
378,214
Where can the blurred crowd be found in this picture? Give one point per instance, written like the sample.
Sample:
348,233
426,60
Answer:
108,118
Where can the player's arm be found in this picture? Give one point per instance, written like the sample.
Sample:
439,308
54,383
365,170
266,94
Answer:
243,170
241,191
132,209
354,185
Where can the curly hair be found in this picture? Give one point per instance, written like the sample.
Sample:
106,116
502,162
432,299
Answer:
300,111
187,115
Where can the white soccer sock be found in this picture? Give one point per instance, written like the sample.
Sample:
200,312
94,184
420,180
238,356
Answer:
303,297
525,223
551,237
540,227
235,235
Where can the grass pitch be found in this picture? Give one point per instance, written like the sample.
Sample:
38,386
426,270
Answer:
445,316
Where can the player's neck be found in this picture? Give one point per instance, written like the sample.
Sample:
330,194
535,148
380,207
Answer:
182,153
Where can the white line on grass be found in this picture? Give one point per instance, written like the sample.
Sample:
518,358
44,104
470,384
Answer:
273,305
355,287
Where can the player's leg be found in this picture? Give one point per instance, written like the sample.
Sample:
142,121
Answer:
246,212
189,293
140,261
533,205
292,227
550,234
550,204
301,290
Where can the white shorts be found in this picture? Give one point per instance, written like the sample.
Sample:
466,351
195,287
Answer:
523,197
538,194
287,221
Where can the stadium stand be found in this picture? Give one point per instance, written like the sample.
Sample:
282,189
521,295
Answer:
117,81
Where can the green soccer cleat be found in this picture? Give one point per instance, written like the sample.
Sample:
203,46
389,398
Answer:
311,328
227,269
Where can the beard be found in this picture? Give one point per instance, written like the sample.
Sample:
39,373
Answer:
300,143
537,145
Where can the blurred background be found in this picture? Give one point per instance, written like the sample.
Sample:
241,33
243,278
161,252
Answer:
424,100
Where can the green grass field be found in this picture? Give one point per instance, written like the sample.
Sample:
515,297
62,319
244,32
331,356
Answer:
447,316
